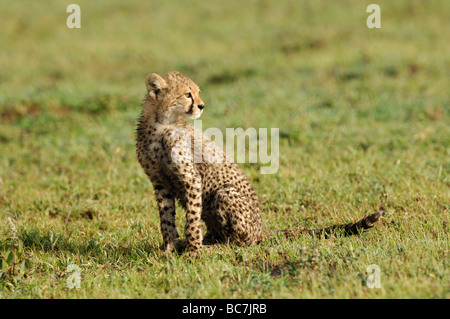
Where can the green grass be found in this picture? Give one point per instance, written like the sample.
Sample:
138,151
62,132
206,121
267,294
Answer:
364,120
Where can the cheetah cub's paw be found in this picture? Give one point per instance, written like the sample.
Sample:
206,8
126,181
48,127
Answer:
180,245
168,248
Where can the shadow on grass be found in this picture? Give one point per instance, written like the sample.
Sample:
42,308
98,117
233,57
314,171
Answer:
102,249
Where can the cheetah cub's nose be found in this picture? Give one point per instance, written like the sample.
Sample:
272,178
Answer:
201,106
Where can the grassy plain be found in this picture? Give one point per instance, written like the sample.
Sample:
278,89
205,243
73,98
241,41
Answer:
364,120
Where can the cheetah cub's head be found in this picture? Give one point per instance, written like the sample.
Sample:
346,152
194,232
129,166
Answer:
172,96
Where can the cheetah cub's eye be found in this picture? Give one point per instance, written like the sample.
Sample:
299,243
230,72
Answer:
187,95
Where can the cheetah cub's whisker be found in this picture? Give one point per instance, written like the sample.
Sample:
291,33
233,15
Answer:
217,192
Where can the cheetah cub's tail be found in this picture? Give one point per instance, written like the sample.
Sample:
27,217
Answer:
346,229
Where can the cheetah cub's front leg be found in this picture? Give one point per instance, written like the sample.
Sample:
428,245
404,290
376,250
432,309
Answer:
189,187
166,207
192,230
185,184
191,183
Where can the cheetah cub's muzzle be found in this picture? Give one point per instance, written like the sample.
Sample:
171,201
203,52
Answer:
194,110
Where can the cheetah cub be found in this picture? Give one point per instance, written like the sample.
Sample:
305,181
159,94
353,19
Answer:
215,191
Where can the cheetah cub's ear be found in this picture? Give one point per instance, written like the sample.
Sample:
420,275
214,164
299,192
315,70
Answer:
155,84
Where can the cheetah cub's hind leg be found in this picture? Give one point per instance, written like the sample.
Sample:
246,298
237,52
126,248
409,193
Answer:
226,220
231,218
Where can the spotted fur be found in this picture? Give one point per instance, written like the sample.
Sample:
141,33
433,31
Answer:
217,192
